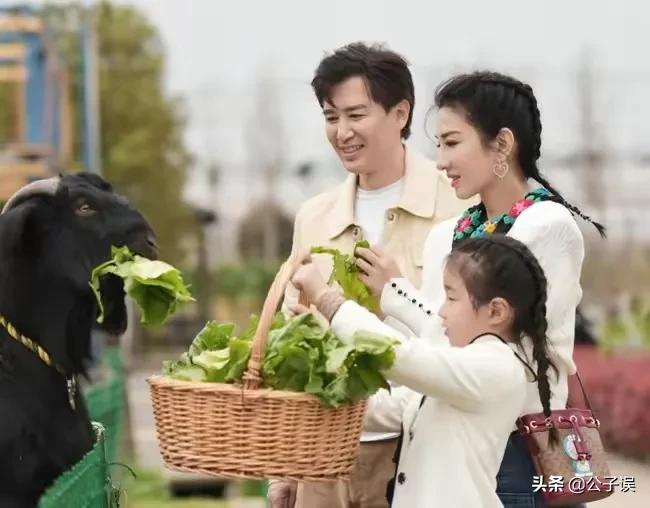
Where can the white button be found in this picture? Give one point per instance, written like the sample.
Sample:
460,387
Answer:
390,215
356,232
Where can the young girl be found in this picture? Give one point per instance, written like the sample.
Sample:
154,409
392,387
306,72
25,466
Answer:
488,129
455,433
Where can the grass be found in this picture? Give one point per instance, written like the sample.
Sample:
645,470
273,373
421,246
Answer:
149,490
177,503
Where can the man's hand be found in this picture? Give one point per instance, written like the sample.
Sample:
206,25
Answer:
376,268
282,493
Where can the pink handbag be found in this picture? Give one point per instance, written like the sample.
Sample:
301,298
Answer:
574,470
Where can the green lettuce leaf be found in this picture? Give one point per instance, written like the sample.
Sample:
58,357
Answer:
212,336
346,274
183,369
300,356
155,286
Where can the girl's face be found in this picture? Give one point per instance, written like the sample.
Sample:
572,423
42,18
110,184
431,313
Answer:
461,320
462,154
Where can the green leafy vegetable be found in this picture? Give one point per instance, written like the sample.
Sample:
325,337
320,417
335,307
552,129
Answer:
301,355
346,275
155,286
184,370
213,336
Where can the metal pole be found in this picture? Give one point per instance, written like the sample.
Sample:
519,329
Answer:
90,91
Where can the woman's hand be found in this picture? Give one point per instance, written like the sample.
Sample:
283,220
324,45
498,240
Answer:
376,268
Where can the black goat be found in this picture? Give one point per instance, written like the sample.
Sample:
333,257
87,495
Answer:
52,233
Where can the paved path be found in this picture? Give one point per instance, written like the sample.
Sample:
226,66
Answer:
148,456
620,466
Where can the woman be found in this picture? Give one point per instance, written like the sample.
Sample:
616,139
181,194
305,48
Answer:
489,134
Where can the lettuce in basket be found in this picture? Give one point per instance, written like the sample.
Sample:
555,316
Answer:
155,286
303,356
346,274
216,354
357,367
300,356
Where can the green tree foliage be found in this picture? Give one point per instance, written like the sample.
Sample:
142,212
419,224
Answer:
142,148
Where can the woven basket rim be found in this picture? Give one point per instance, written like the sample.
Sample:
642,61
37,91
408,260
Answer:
161,381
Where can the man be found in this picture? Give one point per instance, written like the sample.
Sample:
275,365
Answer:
392,198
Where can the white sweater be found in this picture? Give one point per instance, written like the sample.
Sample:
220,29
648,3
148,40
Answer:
474,393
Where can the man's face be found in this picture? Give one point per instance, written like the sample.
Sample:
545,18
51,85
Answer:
360,130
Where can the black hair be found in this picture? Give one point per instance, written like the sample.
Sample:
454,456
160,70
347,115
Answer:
498,266
385,73
493,101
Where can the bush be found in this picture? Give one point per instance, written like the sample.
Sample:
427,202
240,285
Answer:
252,279
618,386
629,327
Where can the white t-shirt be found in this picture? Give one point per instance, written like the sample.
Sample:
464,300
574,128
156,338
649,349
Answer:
370,208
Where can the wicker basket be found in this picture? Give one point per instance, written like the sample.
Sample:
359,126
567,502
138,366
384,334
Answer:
245,431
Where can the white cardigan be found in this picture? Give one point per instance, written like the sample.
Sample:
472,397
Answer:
474,393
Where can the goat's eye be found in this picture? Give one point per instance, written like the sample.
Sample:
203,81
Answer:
84,209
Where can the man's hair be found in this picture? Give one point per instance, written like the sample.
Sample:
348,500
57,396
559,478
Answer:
385,73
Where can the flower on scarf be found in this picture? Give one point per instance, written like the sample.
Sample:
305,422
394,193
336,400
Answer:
489,227
520,206
464,223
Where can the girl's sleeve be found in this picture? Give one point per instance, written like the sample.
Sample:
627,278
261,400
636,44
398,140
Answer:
466,377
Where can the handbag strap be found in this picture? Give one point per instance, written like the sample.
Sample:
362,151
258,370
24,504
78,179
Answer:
584,392
577,375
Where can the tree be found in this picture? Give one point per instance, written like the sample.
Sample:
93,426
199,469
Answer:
267,145
259,219
142,148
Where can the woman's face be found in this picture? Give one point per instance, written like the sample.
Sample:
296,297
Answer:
462,155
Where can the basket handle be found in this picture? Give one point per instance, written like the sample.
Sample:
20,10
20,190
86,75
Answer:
252,378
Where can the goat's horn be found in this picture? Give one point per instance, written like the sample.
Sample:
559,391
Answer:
45,186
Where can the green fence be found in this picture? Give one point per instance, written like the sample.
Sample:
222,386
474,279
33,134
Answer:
86,485
105,402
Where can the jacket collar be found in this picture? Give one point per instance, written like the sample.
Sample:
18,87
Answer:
418,194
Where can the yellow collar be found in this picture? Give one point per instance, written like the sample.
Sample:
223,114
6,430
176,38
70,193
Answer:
45,357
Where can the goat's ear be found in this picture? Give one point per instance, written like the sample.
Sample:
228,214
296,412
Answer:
20,228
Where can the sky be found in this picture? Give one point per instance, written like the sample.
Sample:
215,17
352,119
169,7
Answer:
218,51
230,60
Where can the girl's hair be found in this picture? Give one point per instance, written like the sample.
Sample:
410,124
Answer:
493,101
500,266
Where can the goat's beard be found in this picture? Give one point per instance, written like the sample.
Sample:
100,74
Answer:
111,288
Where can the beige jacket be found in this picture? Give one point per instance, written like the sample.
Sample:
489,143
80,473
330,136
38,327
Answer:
328,219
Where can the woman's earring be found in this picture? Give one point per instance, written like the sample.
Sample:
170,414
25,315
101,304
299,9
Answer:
500,168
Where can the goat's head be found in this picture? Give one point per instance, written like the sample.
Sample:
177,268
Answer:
63,227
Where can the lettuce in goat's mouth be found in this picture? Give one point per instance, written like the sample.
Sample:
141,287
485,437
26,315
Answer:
155,286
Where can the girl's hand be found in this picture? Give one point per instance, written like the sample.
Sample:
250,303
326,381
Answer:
309,280
376,268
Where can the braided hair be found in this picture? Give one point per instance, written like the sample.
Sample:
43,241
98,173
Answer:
493,101
499,266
